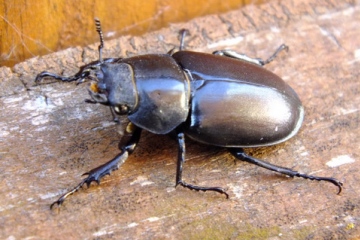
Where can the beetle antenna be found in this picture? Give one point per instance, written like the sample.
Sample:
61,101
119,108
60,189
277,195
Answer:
101,46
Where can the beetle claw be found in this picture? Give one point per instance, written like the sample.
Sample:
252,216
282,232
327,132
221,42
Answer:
335,182
61,199
91,178
340,188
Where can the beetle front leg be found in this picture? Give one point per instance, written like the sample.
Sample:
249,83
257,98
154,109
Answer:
258,61
179,169
241,155
105,169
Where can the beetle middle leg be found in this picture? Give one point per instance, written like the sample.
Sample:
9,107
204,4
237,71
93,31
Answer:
179,169
97,173
258,61
241,155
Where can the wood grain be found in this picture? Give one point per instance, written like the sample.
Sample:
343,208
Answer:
49,137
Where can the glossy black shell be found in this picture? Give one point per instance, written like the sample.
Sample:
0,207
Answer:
235,103
217,100
163,93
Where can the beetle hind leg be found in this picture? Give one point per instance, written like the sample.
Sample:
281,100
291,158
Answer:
241,155
258,61
180,161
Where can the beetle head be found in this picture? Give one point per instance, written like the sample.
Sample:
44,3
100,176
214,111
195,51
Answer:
115,87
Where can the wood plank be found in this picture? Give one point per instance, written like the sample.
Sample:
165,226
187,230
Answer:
49,137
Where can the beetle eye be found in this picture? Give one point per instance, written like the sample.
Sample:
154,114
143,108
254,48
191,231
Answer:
100,76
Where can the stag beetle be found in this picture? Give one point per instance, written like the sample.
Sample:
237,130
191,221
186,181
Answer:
225,99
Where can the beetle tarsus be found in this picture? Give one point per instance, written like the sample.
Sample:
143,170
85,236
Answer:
45,74
326,179
61,199
204,189
241,155
79,77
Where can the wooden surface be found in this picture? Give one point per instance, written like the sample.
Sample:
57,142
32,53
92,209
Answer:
49,137
30,28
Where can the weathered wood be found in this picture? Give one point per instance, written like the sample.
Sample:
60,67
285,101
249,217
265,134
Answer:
49,137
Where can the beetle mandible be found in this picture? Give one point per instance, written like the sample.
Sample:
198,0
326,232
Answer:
225,99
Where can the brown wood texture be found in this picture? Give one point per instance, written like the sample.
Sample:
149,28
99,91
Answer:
49,137
31,28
